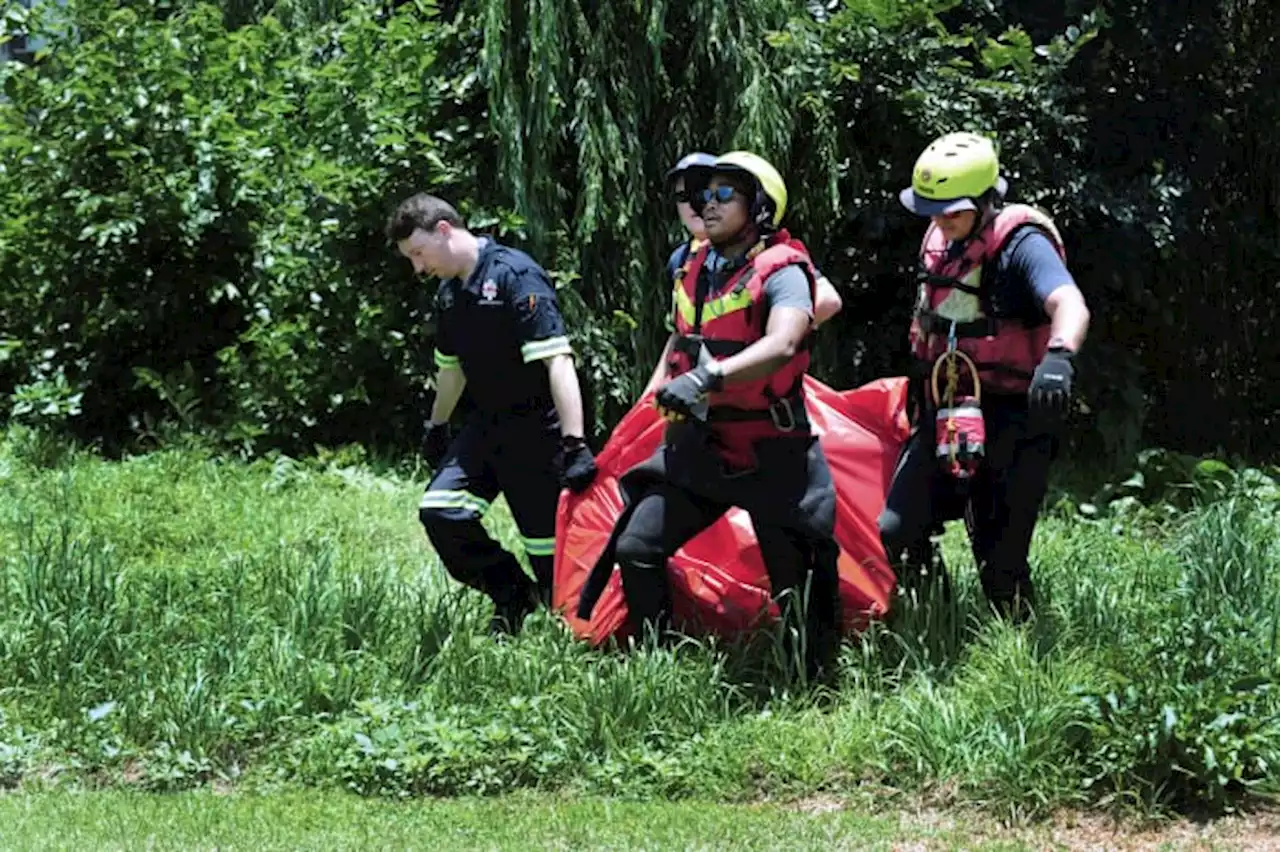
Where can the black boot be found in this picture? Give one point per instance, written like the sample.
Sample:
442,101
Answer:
1007,586
648,596
514,597
543,568
1016,607
923,572
812,611
824,618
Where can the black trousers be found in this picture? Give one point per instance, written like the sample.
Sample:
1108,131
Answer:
511,454
1000,505
669,512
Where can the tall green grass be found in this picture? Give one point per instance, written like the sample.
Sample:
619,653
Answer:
175,618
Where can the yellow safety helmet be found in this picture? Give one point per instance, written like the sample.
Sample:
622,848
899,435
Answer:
770,202
952,174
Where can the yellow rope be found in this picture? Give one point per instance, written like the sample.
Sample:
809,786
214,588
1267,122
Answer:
953,357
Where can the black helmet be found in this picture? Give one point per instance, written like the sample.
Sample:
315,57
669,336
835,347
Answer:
697,161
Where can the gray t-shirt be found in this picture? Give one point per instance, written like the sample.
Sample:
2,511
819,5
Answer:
789,288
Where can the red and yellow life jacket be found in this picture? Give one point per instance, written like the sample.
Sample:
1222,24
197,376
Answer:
1005,349
728,323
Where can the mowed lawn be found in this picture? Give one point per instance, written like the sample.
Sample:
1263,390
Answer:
315,820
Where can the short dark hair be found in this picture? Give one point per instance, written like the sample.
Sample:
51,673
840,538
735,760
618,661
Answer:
421,211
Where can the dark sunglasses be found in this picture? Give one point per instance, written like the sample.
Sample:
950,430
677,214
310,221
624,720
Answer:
721,194
684,196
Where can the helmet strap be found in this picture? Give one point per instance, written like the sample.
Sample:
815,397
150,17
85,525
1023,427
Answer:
984,214
760,212
988,209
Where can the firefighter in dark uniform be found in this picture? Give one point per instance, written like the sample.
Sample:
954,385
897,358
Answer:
739,433
499,336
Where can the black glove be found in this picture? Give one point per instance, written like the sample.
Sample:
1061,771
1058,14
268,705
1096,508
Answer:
1050,391
576,464
435,442
678,397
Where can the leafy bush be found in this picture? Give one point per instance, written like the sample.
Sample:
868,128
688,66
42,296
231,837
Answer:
195,221
1191,716
206,250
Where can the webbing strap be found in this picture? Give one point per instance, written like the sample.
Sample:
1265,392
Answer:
933,323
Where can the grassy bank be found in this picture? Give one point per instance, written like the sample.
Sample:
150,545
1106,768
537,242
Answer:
176,620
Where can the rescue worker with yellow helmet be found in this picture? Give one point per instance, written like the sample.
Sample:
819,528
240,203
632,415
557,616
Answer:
686,180
994,287
739,433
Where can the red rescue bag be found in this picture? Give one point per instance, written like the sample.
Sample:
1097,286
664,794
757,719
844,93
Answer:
718,579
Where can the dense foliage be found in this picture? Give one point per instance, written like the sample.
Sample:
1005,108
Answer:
194,193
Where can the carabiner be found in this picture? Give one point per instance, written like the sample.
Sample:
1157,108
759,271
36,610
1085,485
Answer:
785,403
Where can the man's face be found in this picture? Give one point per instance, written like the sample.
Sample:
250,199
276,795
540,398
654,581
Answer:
684,210
428,251
726,212
955,226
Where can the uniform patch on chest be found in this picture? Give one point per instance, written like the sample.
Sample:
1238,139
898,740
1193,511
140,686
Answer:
489,292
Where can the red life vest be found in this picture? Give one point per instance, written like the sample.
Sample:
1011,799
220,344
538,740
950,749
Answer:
1005,349
742,412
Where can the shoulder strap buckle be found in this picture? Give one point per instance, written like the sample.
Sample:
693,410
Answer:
783,414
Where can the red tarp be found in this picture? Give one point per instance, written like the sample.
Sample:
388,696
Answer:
718,578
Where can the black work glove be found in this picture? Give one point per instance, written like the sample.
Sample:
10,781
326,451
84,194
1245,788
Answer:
435,442
678,398
1050,391
576,464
